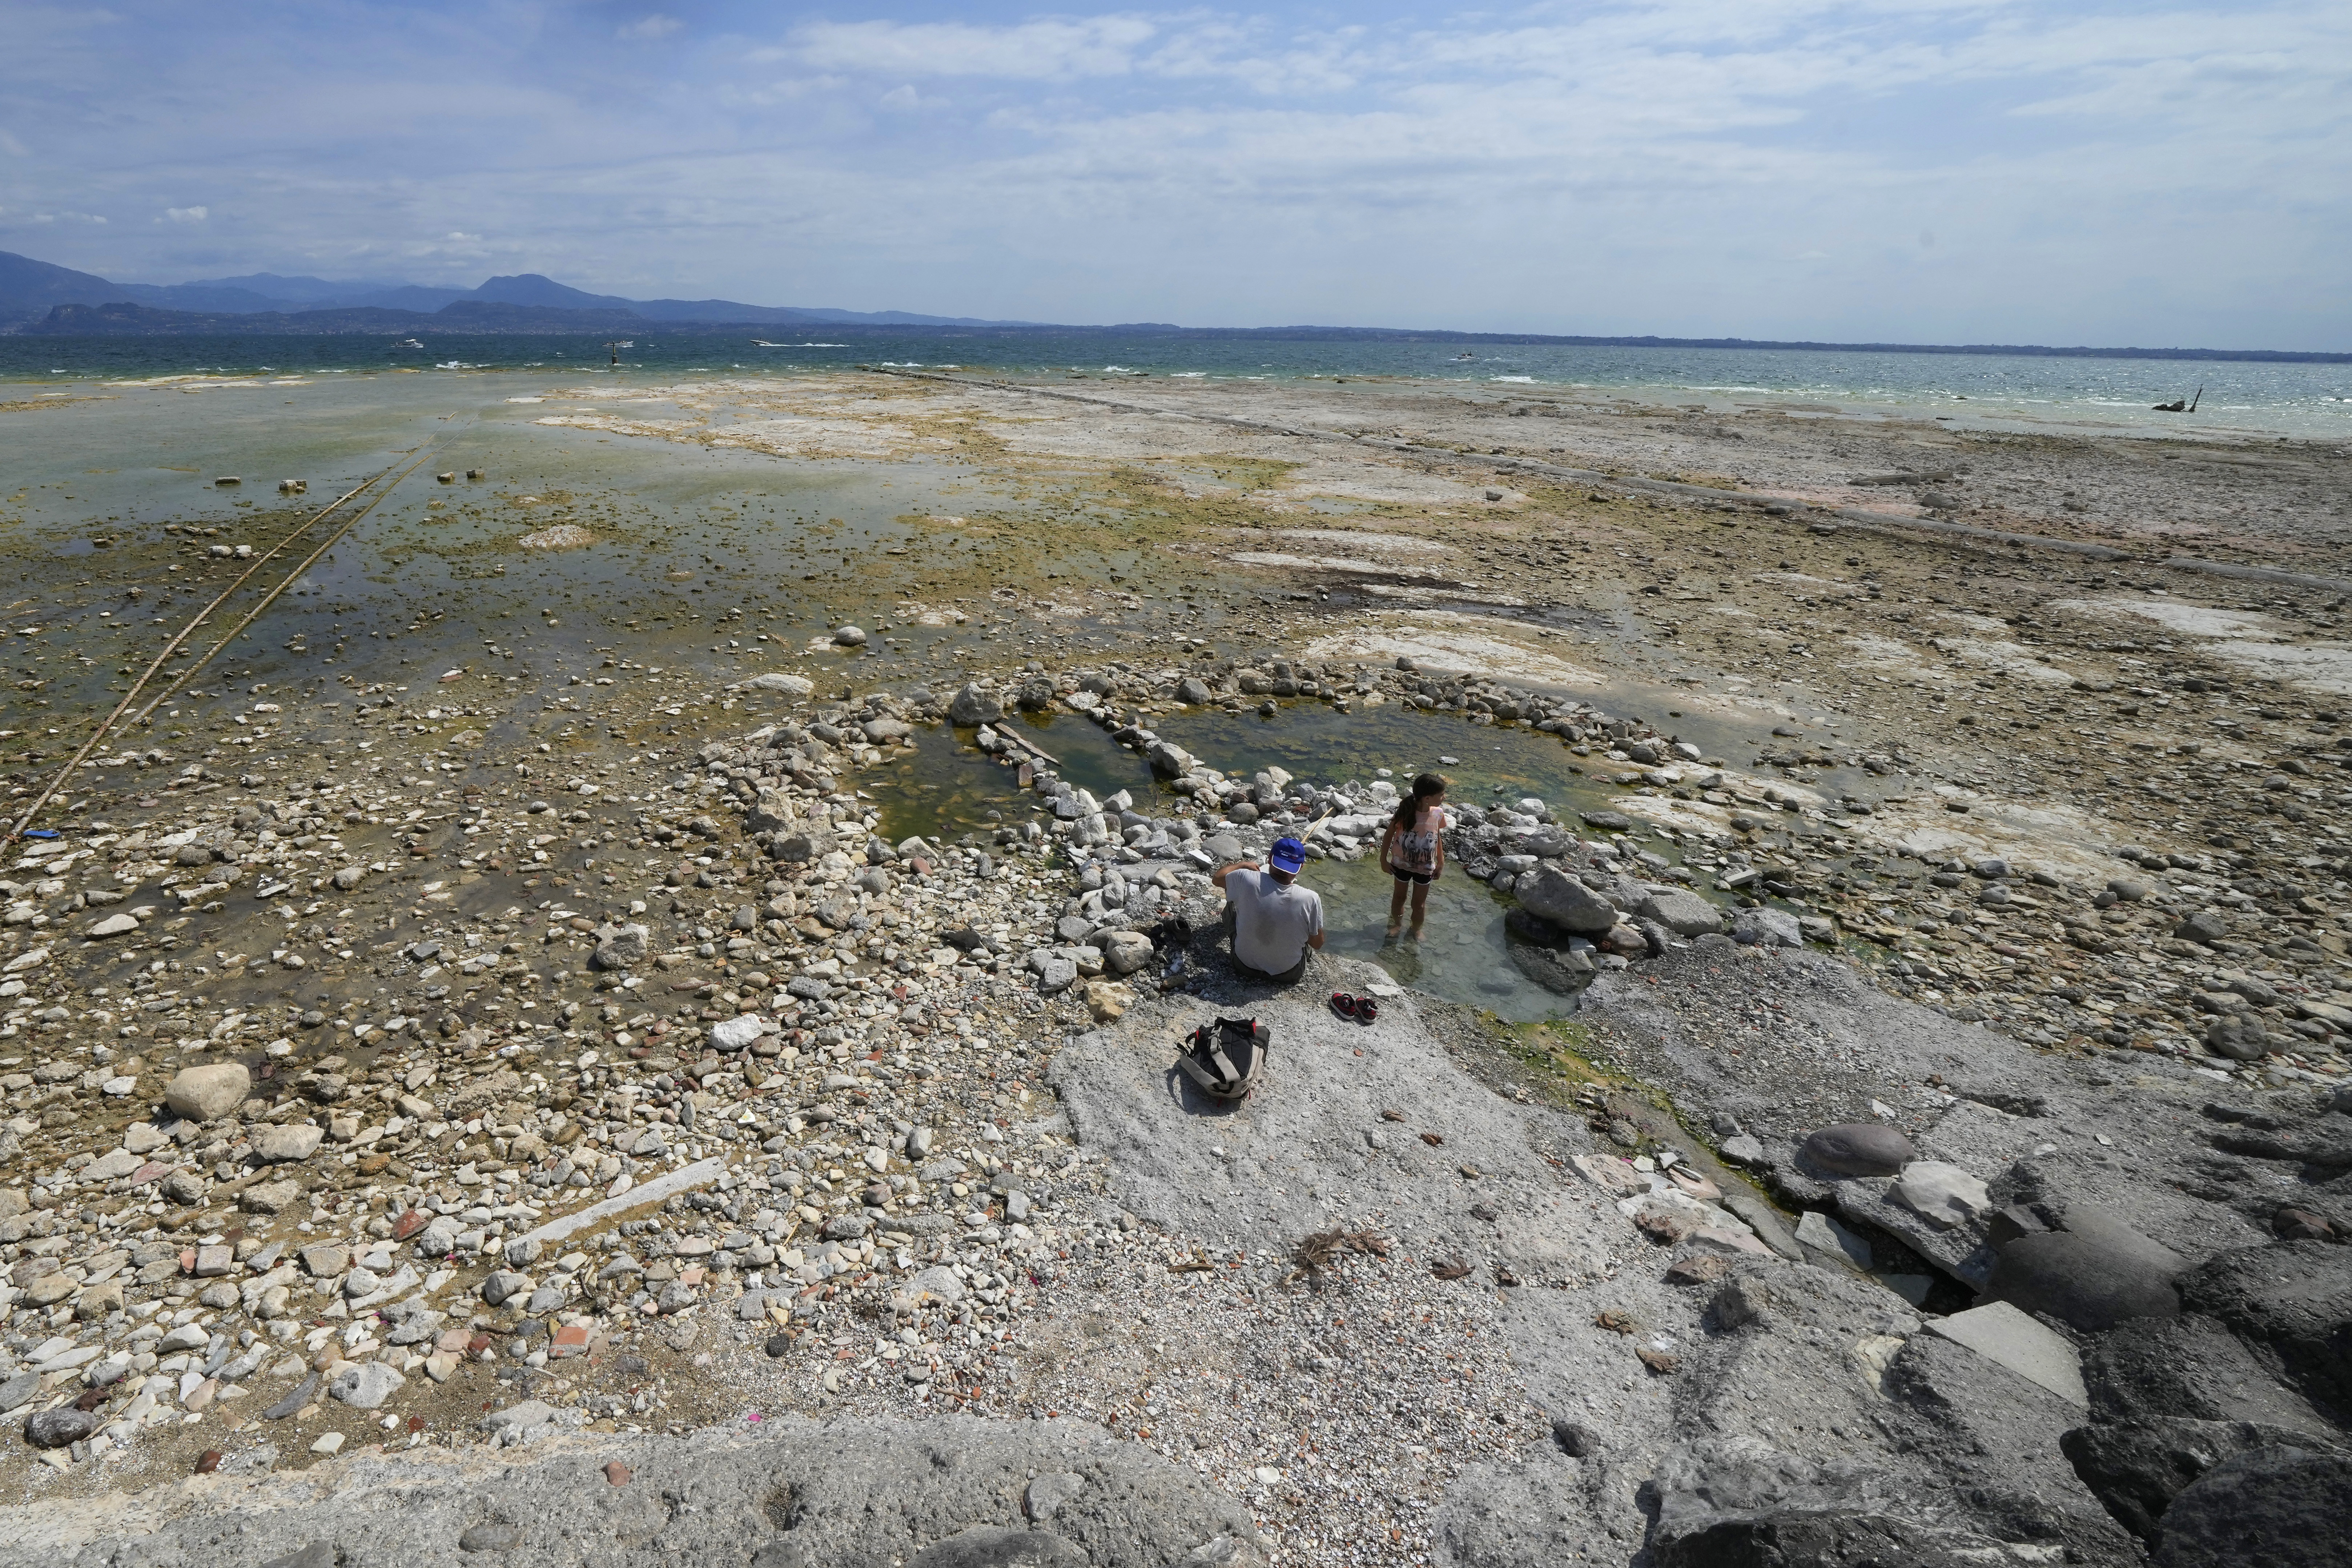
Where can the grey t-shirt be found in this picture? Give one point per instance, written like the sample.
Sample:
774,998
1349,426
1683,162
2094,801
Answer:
1273,921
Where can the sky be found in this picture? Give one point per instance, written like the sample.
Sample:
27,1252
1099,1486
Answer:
1928,171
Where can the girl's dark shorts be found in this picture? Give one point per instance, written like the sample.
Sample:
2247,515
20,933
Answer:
1414,876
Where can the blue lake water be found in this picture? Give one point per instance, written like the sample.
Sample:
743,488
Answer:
2011,390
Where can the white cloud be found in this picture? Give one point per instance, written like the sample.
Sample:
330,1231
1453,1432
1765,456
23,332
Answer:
2088,171
187,215
1057,50
656,26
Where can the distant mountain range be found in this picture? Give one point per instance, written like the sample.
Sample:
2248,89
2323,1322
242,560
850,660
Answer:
40,300
267,303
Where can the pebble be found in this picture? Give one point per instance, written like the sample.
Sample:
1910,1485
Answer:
59,1428
366,1385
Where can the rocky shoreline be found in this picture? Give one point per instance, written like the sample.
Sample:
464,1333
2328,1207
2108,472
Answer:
1910,1174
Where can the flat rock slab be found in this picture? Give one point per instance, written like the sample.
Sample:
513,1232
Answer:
1959,1251
790,1491
1823,1235
683,1180
1243,1174
2002,1334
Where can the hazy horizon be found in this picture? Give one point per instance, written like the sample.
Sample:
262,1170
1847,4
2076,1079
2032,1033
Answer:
1919,170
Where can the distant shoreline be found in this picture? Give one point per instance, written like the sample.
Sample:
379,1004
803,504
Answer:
125,320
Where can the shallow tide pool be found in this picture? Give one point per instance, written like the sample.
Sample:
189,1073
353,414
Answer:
950,787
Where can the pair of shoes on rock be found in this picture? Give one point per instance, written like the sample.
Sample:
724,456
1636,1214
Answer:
1362,1009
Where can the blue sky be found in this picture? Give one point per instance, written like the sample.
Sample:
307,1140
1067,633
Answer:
1921,170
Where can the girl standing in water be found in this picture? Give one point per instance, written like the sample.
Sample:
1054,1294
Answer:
1413,848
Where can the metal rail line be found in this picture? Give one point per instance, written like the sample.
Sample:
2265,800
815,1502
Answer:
180,638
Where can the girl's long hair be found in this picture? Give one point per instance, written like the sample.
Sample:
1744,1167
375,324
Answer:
1425,788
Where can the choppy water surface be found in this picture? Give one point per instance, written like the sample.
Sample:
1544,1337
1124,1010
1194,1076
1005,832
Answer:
2025,391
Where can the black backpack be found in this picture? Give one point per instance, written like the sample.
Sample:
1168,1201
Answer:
1224,1058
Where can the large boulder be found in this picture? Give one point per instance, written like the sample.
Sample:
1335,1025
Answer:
2292,1299
1858,1149
1682,913
975,705
2278,1507
2192,1367
2094,1275
1555,896
207,1093
1736,1502
1169,760
1562,970
1767,928
2136,1468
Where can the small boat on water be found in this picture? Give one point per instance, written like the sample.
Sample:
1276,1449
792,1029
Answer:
2177,407
408,344
1465,354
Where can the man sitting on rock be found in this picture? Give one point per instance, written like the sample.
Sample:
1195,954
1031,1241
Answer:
1271,919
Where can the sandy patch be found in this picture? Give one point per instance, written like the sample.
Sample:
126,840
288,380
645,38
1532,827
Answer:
1364,539
1442,640
1886,656
1324,564
1380,477
2197,620
2255,643
1405,593
782,436
1805,580
2064,840
1974,623
563,536
2015,658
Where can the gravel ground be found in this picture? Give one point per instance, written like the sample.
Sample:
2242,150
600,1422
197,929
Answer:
928,1155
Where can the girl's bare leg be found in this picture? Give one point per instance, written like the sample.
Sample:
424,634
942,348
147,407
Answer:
1420,905
1396,910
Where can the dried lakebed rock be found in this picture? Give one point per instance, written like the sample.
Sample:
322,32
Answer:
1397,1305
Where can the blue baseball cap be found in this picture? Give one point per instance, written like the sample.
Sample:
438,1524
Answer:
1288,855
